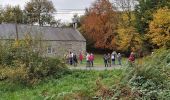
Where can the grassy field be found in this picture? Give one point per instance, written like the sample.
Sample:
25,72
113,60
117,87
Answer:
78,83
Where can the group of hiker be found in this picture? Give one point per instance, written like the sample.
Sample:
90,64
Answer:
72,58
89,60
109,59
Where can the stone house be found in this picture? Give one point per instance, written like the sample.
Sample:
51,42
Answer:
56,41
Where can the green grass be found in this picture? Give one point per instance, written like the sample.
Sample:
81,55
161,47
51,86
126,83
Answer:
81,82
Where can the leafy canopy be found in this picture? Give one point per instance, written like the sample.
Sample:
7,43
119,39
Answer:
99,24
40,11
159,28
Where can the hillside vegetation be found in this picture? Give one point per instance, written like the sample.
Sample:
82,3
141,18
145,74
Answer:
148,79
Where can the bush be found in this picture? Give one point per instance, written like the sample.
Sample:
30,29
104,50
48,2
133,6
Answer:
149,80
25,65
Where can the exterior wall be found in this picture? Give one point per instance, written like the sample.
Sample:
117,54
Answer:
59,48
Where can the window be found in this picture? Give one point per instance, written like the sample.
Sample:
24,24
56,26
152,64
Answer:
49,50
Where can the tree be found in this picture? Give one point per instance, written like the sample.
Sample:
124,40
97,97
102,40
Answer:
159,28
76,21
12,14
55,23
99,24
128,39
144,13
126,7
1,15
40,11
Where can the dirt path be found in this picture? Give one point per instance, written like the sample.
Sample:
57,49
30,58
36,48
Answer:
99,68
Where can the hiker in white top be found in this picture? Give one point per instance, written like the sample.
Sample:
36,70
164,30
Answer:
119,57
113,57
87,60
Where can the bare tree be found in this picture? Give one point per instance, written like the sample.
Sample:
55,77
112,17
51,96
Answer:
127,7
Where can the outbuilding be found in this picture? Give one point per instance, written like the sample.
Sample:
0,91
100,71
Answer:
56,41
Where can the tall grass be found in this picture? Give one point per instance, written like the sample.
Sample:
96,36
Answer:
76,85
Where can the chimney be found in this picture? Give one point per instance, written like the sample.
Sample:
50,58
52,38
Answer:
75,25
75,22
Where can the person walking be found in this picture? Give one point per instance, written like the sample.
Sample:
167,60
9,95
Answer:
91,59
75,60
87,60
119,57
113,57
109,59
71,58
131,59
105,58
81,57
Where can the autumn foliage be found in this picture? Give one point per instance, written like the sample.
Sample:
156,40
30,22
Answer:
128,39
99,24
137,29
159,32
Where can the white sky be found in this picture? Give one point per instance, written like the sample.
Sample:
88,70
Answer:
58,4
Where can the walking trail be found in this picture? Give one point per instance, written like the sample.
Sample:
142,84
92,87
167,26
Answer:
99,68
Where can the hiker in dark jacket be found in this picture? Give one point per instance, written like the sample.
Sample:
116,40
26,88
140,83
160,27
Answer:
75,60
105,58
109,59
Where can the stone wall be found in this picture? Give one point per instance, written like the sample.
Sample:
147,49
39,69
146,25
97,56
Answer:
59,48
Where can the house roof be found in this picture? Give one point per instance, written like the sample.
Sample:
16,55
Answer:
8,31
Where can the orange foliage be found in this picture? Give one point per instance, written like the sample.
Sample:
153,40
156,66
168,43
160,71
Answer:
99,24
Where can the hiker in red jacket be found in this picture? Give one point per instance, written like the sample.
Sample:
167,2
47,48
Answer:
91,58
81,57
132,57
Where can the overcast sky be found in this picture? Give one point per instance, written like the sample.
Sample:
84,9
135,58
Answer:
59,4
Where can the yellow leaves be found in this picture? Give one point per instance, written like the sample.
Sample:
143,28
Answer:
162,16
125,16
159,28
16,44
128,39
14,73
28,39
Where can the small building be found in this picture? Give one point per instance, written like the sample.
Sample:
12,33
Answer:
56,41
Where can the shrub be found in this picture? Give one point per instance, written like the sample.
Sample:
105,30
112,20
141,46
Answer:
25,65
149,80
